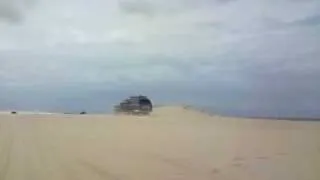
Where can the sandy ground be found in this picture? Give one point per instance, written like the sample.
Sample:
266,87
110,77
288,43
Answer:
174,143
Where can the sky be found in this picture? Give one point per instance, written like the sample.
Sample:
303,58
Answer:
241,57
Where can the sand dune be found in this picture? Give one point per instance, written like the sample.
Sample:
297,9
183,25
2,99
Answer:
174,143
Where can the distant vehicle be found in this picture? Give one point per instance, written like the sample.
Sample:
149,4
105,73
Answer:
136,105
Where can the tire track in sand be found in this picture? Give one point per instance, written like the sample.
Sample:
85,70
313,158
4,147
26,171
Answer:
101,172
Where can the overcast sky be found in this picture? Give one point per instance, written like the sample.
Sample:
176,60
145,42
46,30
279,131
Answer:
248,57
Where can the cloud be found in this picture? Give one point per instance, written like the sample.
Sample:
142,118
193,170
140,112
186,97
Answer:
14,10
137,7
308,21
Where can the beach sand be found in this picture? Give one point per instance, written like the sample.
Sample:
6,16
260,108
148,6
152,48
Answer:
174,143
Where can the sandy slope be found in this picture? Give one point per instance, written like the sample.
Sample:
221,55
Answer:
172,144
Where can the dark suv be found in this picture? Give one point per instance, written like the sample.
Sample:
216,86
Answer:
135,105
